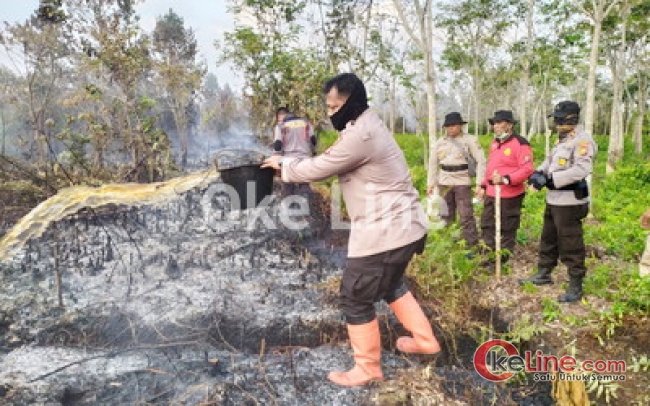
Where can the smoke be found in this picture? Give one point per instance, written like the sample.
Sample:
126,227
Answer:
204,147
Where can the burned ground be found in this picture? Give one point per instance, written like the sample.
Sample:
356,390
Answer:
186,303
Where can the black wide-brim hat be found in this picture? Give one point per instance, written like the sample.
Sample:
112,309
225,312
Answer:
503,115
453,119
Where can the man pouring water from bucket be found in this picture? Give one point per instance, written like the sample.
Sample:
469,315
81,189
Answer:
388,226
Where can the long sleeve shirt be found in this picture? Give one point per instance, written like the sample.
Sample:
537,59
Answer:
511,158
375,181
447,154
571,160
296,135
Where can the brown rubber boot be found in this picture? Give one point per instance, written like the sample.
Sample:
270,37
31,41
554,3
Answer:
410,314
366,346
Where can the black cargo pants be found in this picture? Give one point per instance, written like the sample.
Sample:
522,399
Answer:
510,220
369,279
563,239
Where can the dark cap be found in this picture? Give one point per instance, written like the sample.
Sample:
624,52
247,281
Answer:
565,108
502,115
453,119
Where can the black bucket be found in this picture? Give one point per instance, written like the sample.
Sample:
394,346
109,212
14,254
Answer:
240,169
240,177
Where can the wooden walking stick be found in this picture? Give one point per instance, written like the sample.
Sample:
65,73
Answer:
497,221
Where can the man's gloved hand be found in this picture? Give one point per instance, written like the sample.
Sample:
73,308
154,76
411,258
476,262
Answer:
538,180
549,182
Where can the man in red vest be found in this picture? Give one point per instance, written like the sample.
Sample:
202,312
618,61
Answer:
509,165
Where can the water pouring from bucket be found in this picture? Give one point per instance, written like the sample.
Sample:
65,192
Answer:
71,200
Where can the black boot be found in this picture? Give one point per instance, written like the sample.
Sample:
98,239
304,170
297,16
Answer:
542,277
573,291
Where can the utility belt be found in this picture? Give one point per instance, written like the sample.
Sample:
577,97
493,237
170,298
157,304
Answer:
454,168
580,189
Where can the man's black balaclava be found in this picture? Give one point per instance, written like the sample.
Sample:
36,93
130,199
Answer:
565,117
573,119
565,125
356,104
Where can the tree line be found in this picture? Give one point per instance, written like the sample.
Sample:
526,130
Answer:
424,59
84,89
87,95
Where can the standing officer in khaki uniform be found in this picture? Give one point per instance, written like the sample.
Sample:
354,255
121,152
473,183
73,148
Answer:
564,174
388,226
449,173
293,136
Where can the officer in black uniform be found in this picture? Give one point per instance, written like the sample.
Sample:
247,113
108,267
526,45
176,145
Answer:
564,173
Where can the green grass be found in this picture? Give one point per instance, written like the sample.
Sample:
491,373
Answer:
619,199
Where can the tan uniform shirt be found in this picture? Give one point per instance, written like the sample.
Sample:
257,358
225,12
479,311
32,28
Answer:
295,134
446,153
383,205
571,160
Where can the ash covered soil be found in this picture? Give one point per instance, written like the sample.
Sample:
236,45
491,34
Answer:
191,303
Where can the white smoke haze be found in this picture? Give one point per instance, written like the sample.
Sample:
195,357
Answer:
205,147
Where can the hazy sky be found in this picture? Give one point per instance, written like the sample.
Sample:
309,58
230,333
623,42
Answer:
208,18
